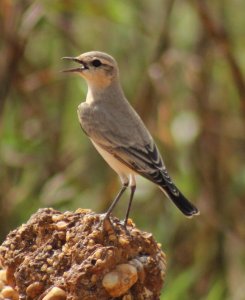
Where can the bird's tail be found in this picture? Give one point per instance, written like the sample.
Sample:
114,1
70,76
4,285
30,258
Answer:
184,205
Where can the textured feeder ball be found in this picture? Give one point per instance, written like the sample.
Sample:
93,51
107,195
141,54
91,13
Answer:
75,255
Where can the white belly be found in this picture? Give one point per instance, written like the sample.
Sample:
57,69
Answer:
115,164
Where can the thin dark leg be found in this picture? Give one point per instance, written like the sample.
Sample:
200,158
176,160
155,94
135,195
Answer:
124,187
133,188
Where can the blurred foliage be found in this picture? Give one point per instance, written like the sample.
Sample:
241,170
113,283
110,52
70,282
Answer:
181,66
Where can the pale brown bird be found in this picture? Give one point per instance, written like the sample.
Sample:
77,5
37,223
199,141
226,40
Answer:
118,133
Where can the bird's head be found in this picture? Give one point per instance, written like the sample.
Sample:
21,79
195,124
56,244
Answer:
97,68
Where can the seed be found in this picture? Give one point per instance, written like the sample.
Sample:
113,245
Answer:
55,294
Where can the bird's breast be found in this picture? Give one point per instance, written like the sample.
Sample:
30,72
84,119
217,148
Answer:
84,113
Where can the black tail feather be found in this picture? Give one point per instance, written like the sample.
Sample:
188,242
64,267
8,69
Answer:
184,205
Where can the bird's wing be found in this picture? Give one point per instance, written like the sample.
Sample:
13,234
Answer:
146,161
125,136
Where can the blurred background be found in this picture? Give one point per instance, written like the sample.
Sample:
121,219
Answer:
182,68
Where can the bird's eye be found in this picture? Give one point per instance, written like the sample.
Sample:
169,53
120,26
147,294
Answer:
96,63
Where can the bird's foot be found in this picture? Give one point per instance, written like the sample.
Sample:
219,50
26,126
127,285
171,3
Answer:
106,223
124,225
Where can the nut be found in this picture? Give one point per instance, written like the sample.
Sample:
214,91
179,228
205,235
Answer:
34,289
3,276
9,293
120,280
61,225
55,294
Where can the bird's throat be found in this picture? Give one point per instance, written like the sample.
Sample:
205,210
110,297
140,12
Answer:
110,93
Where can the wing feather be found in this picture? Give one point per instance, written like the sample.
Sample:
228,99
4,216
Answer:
147,162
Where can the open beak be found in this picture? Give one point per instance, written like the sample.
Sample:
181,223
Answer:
80,69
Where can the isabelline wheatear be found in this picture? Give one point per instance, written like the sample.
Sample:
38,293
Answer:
118,133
